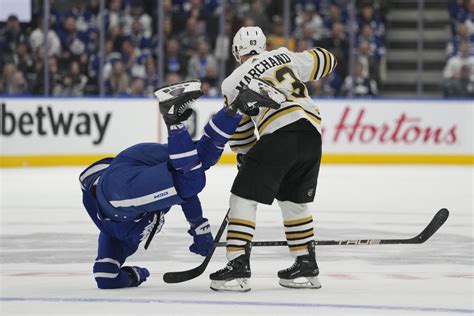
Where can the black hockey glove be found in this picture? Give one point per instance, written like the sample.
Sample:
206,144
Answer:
175,100
257,94
136,275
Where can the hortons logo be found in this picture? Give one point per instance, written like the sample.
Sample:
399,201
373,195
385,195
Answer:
45,121
354,127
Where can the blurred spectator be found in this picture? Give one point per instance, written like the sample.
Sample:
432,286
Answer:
10,35
119,80
338,44
377,48
115,14
174,61
326,87
151,80
334,15
134,62
137,88
371,66
37,37
461,36
308,20
359,85
210,81
138,36
172,78
277,38
197,65
137,14
23,59
223,46
459,73
367,16
307,37
190,37
13,81
85,13
462,12
73,82
71,40
259,16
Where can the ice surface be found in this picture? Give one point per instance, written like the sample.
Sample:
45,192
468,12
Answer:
48,245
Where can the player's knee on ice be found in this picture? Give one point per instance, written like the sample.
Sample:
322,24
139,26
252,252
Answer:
108,275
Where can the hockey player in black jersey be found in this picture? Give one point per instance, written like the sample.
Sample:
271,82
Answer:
282,164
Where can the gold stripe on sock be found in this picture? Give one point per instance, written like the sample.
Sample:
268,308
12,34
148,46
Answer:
241,221
299,221
237,235
299,235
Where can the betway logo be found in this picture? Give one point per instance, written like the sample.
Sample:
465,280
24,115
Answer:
46,121
402,129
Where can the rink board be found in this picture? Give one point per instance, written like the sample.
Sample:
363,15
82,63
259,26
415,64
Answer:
78,131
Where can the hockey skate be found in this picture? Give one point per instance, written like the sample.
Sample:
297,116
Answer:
175,100
258,93
303,274
234,276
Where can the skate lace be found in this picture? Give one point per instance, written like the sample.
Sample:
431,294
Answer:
185,105
228,267
294,265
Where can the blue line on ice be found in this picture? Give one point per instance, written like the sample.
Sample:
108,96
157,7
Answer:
244,303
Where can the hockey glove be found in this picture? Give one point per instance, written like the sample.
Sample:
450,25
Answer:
136,275
257,94
202,237
175,100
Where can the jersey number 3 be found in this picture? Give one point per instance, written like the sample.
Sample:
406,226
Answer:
299,89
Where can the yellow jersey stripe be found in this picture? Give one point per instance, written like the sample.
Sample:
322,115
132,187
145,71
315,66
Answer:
327,63
244,120
244,145
242,135
276,115
262,115
316,63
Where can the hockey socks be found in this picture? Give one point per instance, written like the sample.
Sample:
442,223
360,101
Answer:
241,228
234,276
298,223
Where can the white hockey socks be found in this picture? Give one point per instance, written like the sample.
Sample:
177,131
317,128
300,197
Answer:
241,228
298,223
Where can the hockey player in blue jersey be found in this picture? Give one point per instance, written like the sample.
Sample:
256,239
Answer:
128,196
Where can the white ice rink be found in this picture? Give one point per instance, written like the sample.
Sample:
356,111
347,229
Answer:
48,245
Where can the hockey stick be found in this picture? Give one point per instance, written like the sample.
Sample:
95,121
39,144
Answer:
182,276
437,221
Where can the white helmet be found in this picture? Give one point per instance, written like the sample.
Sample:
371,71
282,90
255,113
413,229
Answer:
248,40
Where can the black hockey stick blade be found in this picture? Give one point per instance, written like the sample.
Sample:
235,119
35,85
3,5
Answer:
183,276
438,220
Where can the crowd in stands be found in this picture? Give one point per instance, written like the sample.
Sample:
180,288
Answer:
458,73
193,46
